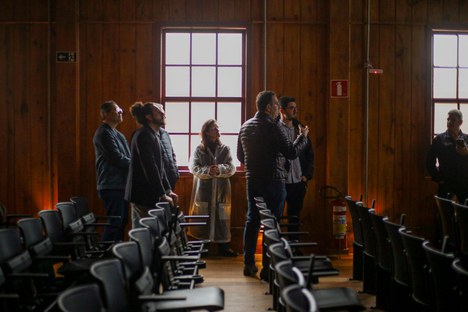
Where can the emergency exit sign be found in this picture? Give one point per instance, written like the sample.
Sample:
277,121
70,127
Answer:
339,88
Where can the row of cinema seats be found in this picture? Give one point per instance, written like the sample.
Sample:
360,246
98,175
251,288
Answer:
403,269
71,270
292,275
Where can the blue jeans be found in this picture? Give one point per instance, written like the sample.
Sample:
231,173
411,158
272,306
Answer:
115,206
274,194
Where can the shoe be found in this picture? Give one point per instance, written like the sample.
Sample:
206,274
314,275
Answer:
264,275
227,253
250,270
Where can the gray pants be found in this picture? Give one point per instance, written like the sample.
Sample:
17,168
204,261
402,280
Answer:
138,212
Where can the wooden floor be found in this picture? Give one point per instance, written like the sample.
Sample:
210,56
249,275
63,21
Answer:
247,294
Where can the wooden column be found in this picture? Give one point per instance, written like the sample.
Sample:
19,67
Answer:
66,109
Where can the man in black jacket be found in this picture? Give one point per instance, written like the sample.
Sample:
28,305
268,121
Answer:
169,158
300,169
147,183
447,159
112,161
259,144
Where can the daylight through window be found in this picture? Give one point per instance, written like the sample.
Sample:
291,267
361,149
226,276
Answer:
203,77
449,77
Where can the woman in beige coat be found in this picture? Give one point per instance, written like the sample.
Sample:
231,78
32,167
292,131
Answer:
211,166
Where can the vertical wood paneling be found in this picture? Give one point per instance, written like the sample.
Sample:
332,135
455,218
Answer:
22,117
127,62
386,139
420,134
403,10
127,10
161,10
38,107
145,10
256,10
201,10
403,117
147,64
275,10
463,11
177,10
357,111
92,95
256,65
275,69
292,61
419,12
292,10
435,12
5,118
451,11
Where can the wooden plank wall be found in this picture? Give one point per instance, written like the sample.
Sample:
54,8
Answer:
49,110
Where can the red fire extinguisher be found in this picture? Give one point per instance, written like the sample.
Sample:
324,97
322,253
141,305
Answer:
338,210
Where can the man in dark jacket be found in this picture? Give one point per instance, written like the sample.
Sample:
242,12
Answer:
169,158
259,144
300,169
147,183
447,159
112,161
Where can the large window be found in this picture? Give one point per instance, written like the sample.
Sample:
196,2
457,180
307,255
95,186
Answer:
449,76
203,77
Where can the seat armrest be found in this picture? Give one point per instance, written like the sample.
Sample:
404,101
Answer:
180,258
160,297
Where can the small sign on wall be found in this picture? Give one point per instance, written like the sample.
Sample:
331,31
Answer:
66,57
339,88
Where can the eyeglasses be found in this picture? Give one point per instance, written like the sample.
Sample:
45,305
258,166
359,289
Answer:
292,108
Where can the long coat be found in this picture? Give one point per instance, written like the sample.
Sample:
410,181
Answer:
146,181
211,195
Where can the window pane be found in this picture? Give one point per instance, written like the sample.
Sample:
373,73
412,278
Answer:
229,116
177,117
445,82
177,48
177,81
463,53
231,141
204,49
230,81
230,49
463,83
440,116
203,81
445,50
180,145
201,112
464,110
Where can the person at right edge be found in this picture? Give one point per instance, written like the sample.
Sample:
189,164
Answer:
449,150
259,144
300,169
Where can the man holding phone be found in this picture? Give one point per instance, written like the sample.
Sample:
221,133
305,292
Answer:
450,151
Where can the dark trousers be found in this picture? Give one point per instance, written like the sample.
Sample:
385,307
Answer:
115,206
295,193
274,194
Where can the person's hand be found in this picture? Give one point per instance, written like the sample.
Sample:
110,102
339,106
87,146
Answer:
303,178
167,199
175,198
304,130
214,170
462,150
